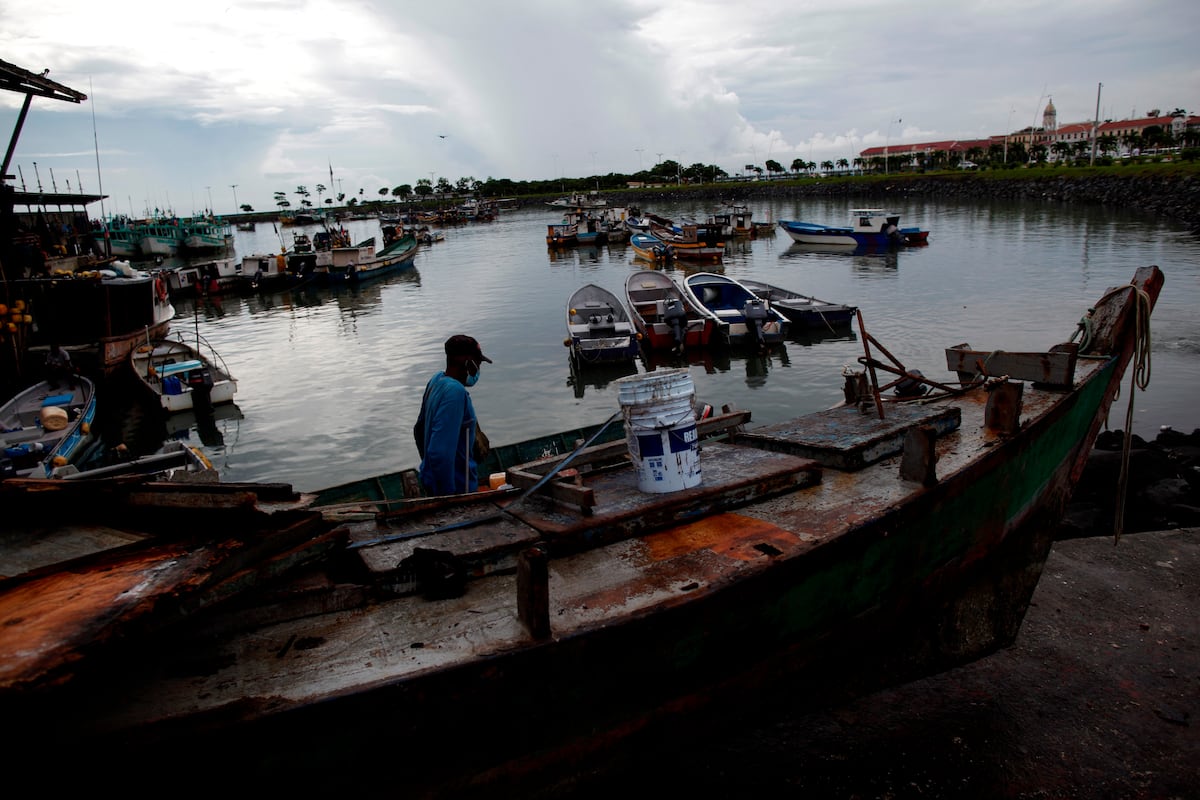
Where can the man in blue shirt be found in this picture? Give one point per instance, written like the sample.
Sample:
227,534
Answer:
446,426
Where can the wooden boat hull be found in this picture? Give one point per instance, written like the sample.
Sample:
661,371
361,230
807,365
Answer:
779,580
396,256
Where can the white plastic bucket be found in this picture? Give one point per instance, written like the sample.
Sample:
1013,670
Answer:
660,429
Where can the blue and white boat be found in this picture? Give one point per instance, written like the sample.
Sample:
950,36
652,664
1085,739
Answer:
868,226
46,427
742,316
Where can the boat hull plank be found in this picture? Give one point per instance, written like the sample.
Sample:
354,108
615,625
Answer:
733,476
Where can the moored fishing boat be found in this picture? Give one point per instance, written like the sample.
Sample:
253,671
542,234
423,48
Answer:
45,427
691,241
99,314
159,237
562,234
598,327
651,248
181,376
664,316
819,560
741,316
205,235
362,263
803,311
868,227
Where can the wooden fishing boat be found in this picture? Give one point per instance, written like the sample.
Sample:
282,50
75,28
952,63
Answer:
502,638
802,311
598,327
691,241
362,263
46,427
182,376
562,234
742,317
651,248
665,317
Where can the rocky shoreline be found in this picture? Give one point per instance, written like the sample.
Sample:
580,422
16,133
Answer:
1170,195
1162,488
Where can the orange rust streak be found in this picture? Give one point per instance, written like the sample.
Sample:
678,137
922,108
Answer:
65,609
731,535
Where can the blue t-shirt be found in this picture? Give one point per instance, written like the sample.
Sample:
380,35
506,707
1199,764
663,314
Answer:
449,463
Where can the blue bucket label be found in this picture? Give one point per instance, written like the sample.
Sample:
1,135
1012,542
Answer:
679,440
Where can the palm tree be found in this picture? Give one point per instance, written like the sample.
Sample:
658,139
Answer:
797,165
843,164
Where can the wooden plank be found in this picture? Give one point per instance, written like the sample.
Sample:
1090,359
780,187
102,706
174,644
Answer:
846,438
1053,368
732,477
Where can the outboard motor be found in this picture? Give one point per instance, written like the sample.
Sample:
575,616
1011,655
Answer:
755,312
676,318
894,234
200,381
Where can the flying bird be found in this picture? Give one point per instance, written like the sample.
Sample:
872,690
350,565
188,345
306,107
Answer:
441,136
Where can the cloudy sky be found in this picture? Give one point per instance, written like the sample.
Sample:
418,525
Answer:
187,100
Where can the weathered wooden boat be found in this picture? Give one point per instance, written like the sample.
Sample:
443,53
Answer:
742,317
562,234
598,327
205,235
362,263
44,428
182,376
692,241
651,248
666,318
868,226
734,221
802,311
203,278
265,272
504,637
98,314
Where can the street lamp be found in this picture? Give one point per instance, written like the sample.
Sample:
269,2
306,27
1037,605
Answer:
1007,130
235,205
888,142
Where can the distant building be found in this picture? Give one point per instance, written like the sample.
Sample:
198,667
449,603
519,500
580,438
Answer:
1184,129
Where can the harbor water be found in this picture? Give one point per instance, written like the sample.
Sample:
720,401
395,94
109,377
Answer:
330,379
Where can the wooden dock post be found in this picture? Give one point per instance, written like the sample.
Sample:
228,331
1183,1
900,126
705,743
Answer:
533,591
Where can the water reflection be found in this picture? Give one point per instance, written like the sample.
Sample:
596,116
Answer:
597,376
867,256
210,425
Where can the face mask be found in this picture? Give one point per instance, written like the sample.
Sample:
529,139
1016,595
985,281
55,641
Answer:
472,375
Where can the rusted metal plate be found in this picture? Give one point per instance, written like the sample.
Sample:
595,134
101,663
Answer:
731,476
846,438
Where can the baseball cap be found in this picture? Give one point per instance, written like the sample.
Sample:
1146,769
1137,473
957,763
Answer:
461,345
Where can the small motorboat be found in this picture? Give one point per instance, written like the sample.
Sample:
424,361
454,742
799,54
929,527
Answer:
181,376
868,226
44,428
744,317
663,314
800,309
598,327
651,248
